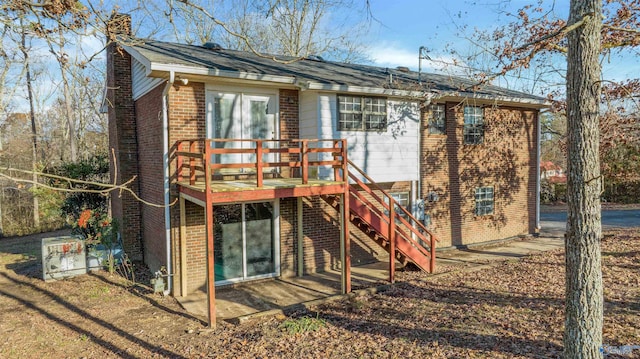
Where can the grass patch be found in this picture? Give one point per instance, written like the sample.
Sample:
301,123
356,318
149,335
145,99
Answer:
303,324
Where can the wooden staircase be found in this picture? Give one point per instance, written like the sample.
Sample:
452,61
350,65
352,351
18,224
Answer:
372,210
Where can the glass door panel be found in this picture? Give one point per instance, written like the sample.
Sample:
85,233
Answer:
222,111
244,241
228,244
259,123
259,239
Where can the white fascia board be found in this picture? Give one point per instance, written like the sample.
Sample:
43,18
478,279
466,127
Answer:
498,99
183,69
365,90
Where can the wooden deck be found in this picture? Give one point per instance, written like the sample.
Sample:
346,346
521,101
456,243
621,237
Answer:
199,163
246,190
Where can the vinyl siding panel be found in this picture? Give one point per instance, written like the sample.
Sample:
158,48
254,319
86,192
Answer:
141,84
387,156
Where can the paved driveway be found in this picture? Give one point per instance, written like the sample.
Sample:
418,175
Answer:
557,221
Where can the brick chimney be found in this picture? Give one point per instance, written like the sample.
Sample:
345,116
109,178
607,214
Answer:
123,136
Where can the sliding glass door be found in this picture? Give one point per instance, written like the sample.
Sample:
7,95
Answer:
245,241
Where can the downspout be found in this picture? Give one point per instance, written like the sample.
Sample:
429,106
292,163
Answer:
538,139
165,170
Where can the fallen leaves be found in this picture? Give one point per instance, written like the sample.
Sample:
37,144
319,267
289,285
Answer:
511,310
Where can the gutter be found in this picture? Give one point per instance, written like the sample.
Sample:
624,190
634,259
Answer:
165,171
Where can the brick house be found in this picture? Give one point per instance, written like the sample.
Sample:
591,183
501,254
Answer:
292,168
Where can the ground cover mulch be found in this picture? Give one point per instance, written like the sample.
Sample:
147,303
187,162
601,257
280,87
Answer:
511,310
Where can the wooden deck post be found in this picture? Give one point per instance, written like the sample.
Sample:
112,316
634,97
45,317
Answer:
183,248
211,287
345,219
432,249
392,240
192,163
259,164
300,239
304,157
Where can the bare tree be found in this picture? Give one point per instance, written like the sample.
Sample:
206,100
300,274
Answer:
296,28
32,117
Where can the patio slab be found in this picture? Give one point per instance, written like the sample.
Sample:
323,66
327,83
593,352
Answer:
278,295
259,296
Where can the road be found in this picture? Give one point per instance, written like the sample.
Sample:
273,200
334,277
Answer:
557,221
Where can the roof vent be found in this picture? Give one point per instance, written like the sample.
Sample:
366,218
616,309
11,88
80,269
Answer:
212,46
315,58
402,69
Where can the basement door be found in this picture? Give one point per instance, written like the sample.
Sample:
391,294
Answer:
246,244
241,116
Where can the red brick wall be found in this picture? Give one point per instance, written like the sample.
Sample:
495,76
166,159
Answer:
186,110
196,248
123,141
505,160
149,121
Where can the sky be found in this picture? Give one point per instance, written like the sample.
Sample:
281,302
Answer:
398,28
402,26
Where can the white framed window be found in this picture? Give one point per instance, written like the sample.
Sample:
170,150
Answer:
359,113
402,200
473,125
484,201
437,120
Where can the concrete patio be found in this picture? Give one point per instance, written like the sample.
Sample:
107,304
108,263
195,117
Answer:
259,296
241,301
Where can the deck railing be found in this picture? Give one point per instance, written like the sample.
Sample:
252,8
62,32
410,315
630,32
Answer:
201,159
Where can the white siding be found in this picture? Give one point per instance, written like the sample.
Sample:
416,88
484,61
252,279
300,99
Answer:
386,156
141,84
308,114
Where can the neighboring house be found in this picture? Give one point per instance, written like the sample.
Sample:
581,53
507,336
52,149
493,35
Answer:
462,160
552,172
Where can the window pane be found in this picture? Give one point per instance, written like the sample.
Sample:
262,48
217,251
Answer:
352,110
484,201
437,119
473,125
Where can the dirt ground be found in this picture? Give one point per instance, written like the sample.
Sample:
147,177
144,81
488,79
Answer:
514,309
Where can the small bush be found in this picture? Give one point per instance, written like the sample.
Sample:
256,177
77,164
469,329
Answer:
93,169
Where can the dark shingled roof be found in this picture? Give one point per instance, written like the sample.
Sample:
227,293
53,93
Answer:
319,71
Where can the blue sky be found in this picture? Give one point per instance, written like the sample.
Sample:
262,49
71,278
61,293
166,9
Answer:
405,25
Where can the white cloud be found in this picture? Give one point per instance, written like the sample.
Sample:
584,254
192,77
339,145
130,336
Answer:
391,55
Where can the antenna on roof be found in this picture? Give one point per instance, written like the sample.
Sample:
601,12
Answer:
423,54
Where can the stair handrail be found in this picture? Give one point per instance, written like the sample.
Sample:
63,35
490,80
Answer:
373,184
414,228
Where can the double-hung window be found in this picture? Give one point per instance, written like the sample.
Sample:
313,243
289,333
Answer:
473,125
359,113
484,201
437,120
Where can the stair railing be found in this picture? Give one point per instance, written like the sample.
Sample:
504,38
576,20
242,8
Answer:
413,225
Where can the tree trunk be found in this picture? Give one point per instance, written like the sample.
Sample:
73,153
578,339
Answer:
584,300
69,114
34,131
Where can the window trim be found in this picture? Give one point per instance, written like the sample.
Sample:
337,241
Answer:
473,126
485,201
432,123
364,114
